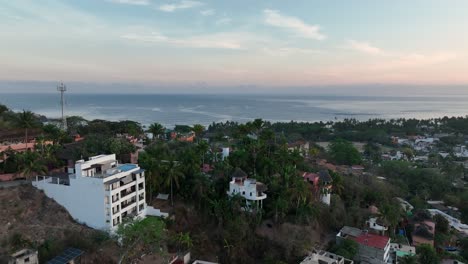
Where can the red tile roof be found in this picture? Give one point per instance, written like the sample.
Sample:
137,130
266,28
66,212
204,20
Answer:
372,240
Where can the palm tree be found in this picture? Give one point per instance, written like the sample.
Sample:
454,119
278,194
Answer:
390,213
173,175
200,187
156,129
29,163
26,120
203,147
198,129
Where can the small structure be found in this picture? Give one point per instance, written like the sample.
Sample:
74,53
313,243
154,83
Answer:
455,223
181,258
250,189
460,151
225,153
372,248
322,185
325,257
24,256
399,251
69,256
377,225
301,146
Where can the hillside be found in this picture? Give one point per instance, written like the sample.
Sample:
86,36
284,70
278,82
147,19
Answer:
31,219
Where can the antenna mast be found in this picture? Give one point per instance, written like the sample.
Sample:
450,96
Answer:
62,88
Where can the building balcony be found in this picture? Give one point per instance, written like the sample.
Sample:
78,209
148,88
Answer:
128,203
127,191
259,196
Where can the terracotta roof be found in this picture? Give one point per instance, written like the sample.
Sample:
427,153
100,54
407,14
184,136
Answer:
372,240
310,176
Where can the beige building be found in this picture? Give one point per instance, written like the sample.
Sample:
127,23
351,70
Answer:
24,256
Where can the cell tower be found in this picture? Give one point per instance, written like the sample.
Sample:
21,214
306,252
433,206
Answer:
62,88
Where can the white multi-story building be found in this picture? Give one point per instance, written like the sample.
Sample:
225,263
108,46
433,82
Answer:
100,192
250,189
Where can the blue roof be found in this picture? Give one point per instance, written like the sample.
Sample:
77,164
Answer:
67,255
127,167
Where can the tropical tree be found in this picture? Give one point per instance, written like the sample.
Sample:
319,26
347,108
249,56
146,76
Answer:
157,130
337,182
198,129
347,248
203,147
391,214
427,254
26,120
200,188
343,152
3,109
173,175
30,163
149,233
408,260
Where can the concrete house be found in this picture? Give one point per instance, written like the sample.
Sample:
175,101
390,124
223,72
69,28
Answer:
250,189
325,257
100,192
24,256
373,249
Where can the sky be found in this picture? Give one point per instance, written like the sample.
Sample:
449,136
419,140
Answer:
211,45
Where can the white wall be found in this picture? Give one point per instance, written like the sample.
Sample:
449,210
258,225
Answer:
84,201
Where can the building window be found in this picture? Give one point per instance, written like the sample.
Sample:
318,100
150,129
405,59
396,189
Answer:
243,193
251,194
26,259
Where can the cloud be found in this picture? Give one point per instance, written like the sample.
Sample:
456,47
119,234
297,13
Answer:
130,2
223,21
274,18
415,60
184,4
207,12
364,47
286,51
394,59
216,41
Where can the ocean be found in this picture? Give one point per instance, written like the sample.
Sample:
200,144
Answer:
205,109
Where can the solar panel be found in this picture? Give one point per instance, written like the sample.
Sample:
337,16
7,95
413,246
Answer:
66,256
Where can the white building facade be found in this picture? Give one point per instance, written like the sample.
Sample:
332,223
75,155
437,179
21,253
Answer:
250,189
100,192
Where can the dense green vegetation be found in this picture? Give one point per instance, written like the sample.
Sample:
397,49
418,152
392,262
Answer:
259,149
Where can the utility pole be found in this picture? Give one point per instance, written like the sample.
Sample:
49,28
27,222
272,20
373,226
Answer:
62,88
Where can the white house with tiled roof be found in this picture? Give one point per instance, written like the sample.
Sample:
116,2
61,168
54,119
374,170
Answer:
250,189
